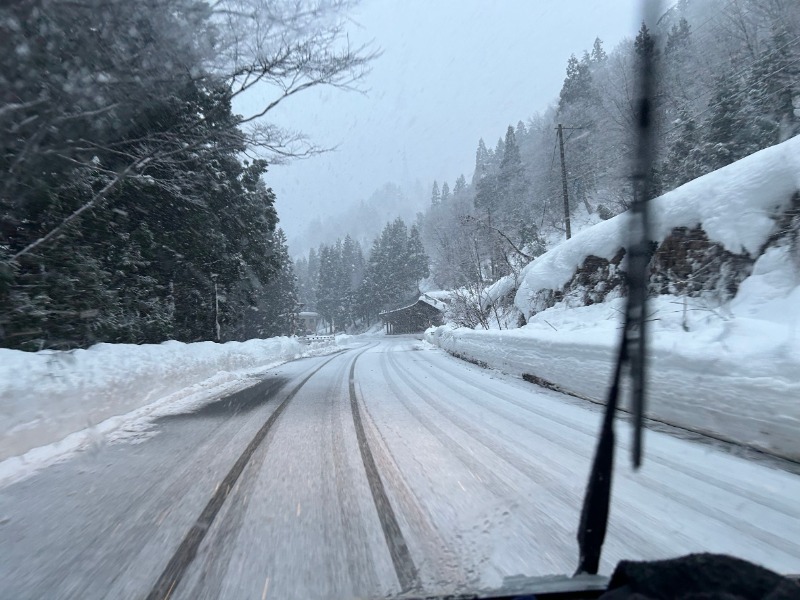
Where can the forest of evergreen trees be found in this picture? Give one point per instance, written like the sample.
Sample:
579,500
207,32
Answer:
349,290
132,204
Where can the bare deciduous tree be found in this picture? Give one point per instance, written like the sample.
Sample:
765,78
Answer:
71,92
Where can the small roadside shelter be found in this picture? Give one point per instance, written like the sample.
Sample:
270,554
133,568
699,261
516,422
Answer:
309,321
414,318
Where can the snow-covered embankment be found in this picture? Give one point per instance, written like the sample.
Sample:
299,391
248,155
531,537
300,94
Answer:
46,396
724,362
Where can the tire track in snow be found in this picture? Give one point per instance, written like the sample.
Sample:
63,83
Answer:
404,566
354,521
643,481
186,552
439,567
787,509
496,486
551,487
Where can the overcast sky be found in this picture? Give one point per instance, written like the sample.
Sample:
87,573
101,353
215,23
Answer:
452,71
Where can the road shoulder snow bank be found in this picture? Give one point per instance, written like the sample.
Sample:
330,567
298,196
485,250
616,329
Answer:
46,396
730,371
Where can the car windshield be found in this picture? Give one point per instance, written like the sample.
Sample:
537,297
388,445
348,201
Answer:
325,298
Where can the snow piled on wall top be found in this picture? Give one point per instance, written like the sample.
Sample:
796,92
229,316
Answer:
734,205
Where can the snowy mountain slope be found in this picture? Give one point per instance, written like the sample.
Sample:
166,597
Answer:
727,366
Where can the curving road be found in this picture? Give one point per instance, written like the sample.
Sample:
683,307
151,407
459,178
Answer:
389,468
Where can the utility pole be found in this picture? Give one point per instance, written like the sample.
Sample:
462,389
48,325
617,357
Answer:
564,180
216,306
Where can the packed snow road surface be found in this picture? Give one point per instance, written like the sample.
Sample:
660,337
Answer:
390,467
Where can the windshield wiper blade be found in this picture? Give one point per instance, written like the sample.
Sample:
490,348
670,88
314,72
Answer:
633,345
640,248
597,501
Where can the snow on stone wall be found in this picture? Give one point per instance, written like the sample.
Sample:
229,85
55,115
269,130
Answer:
736,206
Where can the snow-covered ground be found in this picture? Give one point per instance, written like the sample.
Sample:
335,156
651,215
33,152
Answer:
484,474
52,402
730,369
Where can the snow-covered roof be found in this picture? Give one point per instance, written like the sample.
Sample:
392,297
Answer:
443,295
436,303
441,306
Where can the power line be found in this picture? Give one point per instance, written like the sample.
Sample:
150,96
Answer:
555,147
549,173
737,96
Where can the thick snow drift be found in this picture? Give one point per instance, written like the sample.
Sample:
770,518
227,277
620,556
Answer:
731,370
46,396
735,205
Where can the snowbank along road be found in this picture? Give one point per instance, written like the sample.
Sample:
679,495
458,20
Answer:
386,469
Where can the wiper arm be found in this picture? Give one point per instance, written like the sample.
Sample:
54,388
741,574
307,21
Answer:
633,346
596,502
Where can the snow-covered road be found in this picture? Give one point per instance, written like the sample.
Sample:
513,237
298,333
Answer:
423,472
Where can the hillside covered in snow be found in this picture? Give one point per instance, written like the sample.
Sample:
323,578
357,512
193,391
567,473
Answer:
724,310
